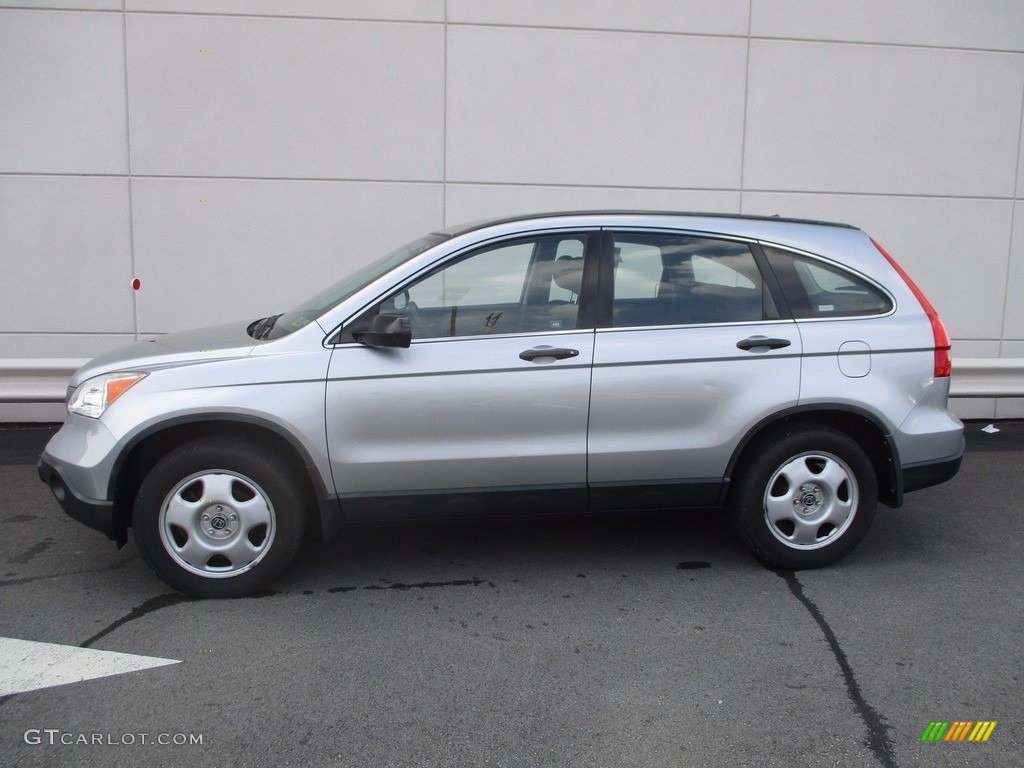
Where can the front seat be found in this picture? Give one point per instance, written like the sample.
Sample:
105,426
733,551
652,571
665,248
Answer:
568,274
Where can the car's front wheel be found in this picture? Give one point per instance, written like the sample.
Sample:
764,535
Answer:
219,517
805,497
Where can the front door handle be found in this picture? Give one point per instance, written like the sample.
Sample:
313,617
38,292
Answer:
558,353
754,342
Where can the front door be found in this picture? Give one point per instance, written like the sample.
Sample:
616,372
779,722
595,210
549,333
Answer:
486,411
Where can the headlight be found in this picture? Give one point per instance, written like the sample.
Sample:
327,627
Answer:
94,395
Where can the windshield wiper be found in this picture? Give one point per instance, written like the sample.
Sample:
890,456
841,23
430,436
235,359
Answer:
261,328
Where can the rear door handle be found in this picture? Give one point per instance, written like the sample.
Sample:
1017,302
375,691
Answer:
559,353
754,342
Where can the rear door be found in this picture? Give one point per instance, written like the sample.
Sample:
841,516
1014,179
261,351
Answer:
691,355
486,411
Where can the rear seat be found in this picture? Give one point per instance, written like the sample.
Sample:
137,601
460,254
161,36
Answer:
685,305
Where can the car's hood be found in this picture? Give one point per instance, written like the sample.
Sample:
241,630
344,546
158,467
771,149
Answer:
217,342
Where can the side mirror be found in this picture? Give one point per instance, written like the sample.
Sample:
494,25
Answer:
387,330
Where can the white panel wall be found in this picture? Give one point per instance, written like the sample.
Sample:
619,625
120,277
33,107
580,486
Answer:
882,120
67,254
689,17
285,98
981,24
1013,316
393,10
552,107
472,202
62,93
235,155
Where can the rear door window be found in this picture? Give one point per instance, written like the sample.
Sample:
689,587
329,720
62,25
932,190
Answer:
676,279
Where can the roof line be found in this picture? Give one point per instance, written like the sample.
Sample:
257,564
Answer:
460,229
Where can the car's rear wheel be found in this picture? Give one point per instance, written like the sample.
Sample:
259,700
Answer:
219,517
805,497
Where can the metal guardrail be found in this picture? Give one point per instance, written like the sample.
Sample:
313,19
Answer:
987,377
36,380
45,380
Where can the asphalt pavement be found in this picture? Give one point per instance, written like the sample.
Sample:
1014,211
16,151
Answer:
651,640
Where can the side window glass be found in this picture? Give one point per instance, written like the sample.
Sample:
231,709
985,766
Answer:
716,272
492,277
814,289
638,270
521,286
668,279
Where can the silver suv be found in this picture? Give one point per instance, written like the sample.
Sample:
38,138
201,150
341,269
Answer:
787,371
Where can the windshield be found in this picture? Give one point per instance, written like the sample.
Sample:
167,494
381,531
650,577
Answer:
313,307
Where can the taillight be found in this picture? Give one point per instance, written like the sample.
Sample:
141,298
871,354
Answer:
943,359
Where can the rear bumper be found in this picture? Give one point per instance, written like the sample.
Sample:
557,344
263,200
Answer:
94,513
925,474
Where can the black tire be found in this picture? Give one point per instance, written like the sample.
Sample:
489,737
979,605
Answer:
219,517
804,497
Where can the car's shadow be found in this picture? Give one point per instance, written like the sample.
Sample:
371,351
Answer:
427,552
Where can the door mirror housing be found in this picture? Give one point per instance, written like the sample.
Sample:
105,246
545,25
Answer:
387,330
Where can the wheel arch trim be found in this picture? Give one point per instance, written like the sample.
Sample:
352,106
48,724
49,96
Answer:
326,505
887,466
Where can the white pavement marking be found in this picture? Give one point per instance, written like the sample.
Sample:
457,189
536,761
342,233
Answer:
29,666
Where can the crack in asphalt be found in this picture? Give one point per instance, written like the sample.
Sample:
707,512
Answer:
419,585
30,579
144,608
169,599
878,739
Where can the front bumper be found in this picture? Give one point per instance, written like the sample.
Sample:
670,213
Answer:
77,465
96,514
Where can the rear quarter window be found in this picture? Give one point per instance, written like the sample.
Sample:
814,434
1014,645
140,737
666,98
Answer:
814,289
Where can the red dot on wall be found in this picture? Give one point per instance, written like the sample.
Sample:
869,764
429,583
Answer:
136,284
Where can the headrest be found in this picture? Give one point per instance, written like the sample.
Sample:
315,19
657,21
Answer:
568,273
